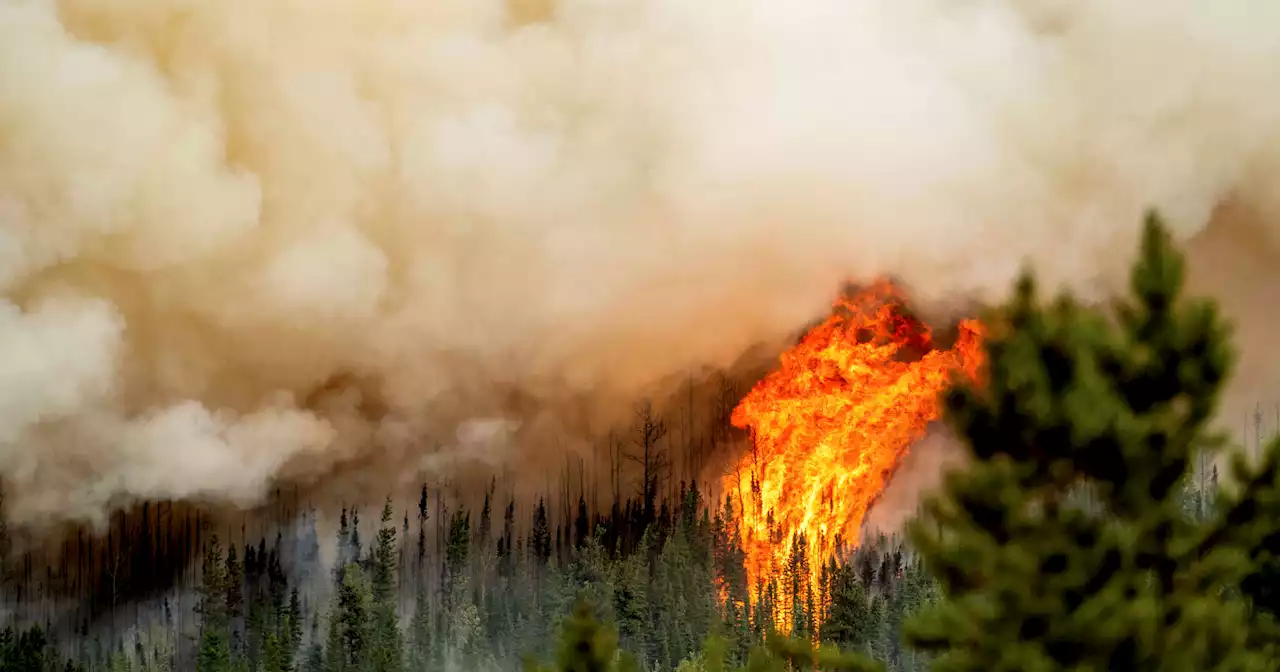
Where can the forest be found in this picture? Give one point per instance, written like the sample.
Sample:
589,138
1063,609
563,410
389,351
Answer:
1100,523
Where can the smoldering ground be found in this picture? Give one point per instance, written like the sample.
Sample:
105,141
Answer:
245,242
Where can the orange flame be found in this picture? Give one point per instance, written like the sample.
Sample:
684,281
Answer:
831,424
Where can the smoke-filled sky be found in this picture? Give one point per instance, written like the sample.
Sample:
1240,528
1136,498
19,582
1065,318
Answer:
228,228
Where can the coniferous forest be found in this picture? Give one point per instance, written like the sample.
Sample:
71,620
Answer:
1100,523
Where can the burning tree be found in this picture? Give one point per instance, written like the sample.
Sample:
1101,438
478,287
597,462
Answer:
830,425
1119,404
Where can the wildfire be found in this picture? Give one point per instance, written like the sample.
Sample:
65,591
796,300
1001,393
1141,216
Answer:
831,424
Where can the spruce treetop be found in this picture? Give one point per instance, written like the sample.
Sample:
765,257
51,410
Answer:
1114,405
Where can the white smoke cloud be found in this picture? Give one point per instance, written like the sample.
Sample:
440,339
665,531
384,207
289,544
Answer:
209,212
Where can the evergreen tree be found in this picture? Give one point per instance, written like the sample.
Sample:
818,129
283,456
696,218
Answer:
356,549
256,628
782,654
1119,402
587,646
235,584
486,513
731,573
457,547
294,627
27,651
916,590
350,631
387,653
799,591
422,527
506,550
581,524
235,604
120,662
215,637
274,656
848,623
540,536
420,633
344,545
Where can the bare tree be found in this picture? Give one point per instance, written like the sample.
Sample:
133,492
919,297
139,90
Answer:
650,430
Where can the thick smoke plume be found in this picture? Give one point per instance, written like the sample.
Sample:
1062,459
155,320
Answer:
251,240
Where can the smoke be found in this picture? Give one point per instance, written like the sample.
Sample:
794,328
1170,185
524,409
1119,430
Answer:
921,472
264,239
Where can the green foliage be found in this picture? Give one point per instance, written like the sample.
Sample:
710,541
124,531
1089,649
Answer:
314,661
25,651
120,662
420,633
586,646
350,631
851,620
386,646
215,634
540,539
782,654
1118,403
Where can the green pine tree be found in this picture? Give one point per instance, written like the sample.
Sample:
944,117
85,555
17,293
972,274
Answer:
631,597
235,582
848,622
540,536
27,651
293,625
586,646
1118,402
355,549
798,587
274,655
915,591
782,654
420,633
120,662
387,654
350,629
215,628
731,572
